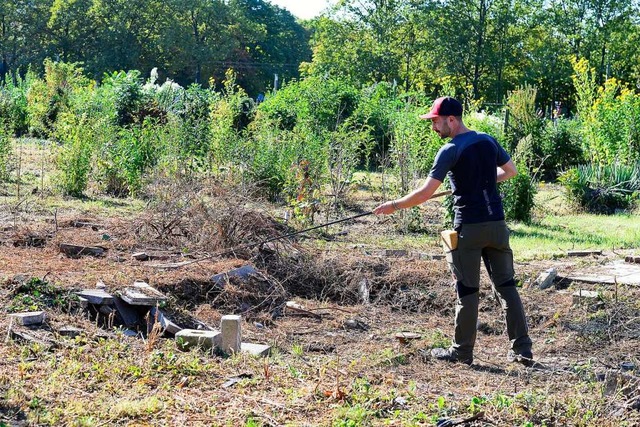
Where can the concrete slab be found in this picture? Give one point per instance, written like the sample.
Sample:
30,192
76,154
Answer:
28,318
259,350
618,271
190,338
142,294
96,296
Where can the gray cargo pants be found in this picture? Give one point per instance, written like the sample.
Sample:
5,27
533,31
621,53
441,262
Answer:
488,241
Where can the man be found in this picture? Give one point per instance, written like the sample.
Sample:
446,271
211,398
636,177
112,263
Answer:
475,163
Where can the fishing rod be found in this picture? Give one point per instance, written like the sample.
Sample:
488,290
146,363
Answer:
280,237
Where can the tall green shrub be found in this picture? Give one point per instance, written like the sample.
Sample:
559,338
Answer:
51,97
13,103
5,151
74,159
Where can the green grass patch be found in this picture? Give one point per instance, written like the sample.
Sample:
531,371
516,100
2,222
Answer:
554,235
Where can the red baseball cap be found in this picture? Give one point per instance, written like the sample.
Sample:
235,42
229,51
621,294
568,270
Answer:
445,106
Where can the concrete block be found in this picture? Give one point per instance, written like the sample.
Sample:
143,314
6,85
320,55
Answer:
230,325
546,278
259,350
128,314
96,296
28,318
167,324
585,297
190,338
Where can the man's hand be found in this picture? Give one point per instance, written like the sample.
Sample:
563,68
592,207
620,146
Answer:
386,208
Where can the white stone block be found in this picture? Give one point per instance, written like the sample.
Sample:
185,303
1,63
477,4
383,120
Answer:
259,350
230,325
189,338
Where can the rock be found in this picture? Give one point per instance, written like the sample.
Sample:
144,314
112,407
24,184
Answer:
75,251
244,272
140,256
546,278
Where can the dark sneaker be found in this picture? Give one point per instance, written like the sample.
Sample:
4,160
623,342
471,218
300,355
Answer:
450,355
524,357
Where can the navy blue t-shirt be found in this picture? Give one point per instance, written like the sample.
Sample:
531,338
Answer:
471,160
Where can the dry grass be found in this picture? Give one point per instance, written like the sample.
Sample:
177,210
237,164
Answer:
342,366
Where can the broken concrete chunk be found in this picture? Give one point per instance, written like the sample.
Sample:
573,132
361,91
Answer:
96,296
28,318
546,278
156,315
585,297
258,350
75,251
190,338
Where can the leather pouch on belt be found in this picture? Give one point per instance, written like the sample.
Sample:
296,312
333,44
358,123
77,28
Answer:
450,239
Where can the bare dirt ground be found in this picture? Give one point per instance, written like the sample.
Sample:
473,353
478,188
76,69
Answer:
338,364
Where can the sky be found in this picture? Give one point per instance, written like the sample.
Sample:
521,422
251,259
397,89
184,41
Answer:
304,9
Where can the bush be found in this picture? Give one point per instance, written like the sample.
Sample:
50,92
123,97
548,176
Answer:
518,197
603,189
13,104
5,151
51,97
74,160
561,146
